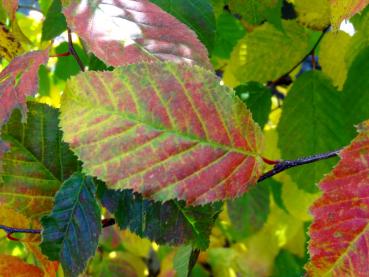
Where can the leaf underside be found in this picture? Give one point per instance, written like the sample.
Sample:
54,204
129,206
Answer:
149,33
71,231
168,131
340,229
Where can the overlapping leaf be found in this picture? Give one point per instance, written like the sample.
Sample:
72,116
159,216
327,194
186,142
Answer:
17,81
314,14
162,129
124,31
312,122
54,23
340,230
356,92
332,56
11,7
196,14
37,163
71,231
166,223
267,54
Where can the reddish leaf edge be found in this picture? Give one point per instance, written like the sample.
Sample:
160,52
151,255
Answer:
361,128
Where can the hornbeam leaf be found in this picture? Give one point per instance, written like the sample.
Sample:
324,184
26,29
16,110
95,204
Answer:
166,223
267,53
125,31
341,10
71,231
169,131
315,108
36,164
340,229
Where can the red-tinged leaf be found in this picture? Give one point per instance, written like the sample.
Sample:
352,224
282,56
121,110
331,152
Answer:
162,129
341,10
340,231
125,31
19,80
15,267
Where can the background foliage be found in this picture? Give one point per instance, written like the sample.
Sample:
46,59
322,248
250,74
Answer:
303,77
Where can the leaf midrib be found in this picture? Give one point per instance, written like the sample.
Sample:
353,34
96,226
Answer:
126,116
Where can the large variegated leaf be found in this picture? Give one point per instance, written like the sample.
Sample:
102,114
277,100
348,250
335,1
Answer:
71,231
162,129
36,164
340,230
124,31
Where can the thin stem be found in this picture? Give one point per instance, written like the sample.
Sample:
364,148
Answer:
10,230
308,54
283,165
73,52
60,55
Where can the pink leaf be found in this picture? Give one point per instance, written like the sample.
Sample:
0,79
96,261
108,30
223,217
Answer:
339,234
125,31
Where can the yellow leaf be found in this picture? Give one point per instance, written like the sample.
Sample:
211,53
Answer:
333,48
10,46
138,246
341,10
314,14
49,267
15,267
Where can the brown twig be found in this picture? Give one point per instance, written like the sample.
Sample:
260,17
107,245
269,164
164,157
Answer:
73,52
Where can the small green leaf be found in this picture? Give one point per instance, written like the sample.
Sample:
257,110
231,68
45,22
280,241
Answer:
184,260
249,212
229,31
54,23
71,231
287,264
170,222
258,99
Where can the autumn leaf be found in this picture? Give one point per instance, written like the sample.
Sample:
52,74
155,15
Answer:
17,81
125,32
339,232
10,7
168,131
36,164
15,267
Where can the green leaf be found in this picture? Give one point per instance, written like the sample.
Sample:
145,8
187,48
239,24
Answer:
312,122
228,32
196,14
332,56
184,260
256,11
54,23
166,223
258,99
356,92
276,190
147,127
37,162
314,14
44,81
249,212
267,54
71,231
67,66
